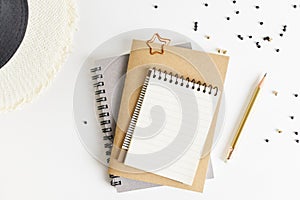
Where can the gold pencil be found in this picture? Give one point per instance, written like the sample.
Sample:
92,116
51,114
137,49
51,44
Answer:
243,121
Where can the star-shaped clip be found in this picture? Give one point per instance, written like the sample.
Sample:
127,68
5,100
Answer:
164,42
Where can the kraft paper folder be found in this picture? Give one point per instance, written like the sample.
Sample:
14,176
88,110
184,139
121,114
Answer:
196,65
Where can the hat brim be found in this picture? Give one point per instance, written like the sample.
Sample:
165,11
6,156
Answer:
44,49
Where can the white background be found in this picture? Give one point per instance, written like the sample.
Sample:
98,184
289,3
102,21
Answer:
41,156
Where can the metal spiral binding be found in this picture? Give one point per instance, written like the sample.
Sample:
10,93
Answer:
180,81
103,115
115,180
102,108
135,115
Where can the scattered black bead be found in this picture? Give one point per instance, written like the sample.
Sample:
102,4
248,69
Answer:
195,26
257,7
296,132
267,38
155,6
277,50
261,23
296,95
240,37
297,140
250,36
292,117
258,45
228,18
267,140
284,28
85,122
281,34
237,12
233,1
206,4
294,6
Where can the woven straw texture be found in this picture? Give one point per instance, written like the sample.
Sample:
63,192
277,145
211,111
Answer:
45,47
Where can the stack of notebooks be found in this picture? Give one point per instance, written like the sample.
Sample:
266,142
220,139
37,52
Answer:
158,114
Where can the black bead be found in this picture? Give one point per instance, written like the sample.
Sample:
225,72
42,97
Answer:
261,23
195,26
296,95
233,1
228,18
237,12
277,50
267,140
297,140
281,34
296,132
284,28
155,6
206,4
250,36
257,7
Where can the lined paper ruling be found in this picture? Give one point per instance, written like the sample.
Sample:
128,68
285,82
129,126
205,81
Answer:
169,126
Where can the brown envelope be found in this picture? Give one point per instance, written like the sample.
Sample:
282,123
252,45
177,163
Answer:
201,66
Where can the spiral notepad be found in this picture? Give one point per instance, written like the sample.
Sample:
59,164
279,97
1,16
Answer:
169,125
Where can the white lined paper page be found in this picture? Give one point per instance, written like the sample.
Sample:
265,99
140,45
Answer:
171,128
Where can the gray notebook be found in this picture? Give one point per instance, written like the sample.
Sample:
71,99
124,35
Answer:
108,78
108,81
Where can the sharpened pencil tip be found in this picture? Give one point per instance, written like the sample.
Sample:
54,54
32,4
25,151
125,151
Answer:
262,80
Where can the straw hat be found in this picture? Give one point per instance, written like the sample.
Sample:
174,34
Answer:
35,39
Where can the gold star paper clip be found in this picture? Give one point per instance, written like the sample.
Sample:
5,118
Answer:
164,42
